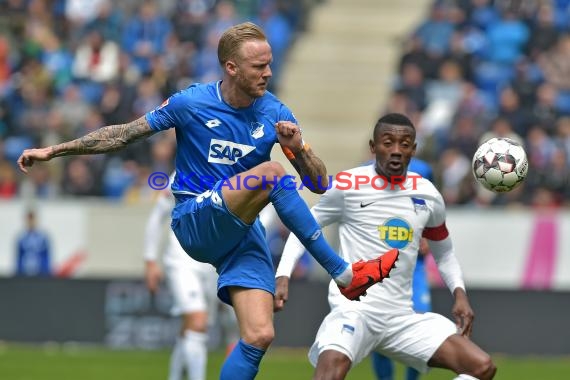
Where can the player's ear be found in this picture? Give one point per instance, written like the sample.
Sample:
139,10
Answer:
414,149
372,146
231,68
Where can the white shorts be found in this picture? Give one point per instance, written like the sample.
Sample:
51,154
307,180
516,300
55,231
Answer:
409,338
193,290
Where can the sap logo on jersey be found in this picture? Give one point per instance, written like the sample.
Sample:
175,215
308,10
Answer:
396,232
227,152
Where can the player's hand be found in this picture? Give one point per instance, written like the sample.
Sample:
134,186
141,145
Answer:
424,247
29,156
152,276
463,313
281,293
289,135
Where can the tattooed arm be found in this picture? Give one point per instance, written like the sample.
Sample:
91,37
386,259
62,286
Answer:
103,140
312,170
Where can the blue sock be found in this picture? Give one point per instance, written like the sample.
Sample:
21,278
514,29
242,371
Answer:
242,363
297,217
383,366
412,374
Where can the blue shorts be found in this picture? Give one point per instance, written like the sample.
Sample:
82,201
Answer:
421,297
210,233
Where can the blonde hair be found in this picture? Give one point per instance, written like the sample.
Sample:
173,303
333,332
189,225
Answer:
232,39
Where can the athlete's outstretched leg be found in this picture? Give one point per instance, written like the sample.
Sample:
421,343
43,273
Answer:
268,182
254,312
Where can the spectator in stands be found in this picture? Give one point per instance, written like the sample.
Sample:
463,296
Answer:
557,176
279,34
545,110
455,169
415,53
555,64
8,185
190,19
82,176
43,184
412,84
510,109
205,62
563,136
506,39
72,108
464,136
107,22
435,33
543,32
145,35
501,127
527,78
5,65
482,14
96,59
80,12
33,252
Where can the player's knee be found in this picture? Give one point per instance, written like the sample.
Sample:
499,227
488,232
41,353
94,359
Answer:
485,369
261,337
332,365
272,169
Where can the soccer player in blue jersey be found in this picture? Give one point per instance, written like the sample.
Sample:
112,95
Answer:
421,298
225,132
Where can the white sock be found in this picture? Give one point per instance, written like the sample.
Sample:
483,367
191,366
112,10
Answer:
345,278
465,377
176,362
195,353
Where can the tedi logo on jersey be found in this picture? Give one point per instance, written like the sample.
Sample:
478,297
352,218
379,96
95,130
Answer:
227,152
396,232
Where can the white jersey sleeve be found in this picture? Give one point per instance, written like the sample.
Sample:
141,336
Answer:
327,211
154,226
442,248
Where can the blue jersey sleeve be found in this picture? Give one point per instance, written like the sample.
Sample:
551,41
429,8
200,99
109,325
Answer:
285,114
171,113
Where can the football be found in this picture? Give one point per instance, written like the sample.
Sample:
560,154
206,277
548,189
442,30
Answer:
500,164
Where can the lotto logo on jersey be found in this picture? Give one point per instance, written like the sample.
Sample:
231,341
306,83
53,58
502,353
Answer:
227,152
396,232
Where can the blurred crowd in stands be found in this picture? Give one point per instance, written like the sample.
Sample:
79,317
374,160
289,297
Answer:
68,67
472,70
476,69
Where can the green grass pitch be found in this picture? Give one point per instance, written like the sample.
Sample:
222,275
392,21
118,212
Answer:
56,362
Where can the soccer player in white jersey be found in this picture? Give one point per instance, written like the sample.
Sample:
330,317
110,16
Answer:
374,216
193,288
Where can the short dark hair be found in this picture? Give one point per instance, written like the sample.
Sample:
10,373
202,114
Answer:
393,119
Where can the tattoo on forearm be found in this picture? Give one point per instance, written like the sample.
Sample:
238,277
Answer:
106,139
310,166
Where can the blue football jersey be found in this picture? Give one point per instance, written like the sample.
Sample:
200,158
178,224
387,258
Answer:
216,141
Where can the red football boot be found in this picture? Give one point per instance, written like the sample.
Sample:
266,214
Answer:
367,273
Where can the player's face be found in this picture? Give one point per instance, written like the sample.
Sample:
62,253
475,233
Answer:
252,68
394,147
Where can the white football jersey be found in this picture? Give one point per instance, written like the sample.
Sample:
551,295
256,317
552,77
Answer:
376,217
